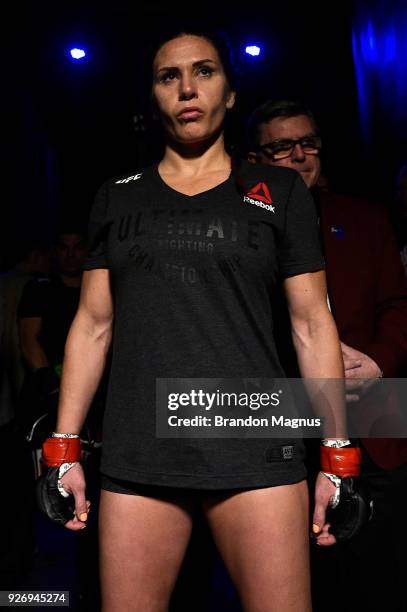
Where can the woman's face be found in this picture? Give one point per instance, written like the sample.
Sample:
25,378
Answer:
190,89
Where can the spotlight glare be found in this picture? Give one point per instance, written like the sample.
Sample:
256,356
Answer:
253,50
77,53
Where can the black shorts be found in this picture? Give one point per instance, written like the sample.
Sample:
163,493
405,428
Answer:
169,493
116,485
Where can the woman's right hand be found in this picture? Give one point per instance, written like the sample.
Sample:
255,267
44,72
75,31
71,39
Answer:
324,491
74,484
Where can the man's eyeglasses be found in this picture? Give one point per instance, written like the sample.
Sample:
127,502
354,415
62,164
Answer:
279,149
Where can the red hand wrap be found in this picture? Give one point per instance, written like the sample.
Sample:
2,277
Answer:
343,461
56,451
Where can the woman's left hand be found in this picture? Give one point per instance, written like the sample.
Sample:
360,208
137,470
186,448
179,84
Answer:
324,490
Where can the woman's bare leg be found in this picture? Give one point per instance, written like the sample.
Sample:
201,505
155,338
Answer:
263,538
142,544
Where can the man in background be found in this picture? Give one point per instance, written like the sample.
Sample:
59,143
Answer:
17,532
367,291
46,310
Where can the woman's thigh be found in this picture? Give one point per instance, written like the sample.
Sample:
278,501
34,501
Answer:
142,544
263,537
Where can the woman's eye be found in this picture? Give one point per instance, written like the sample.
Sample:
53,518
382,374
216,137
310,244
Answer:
205,71
167,76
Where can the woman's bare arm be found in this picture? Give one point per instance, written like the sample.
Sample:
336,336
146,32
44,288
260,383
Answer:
85,350
317,345
319,357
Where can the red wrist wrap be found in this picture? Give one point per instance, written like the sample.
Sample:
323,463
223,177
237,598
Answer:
56,451
343,461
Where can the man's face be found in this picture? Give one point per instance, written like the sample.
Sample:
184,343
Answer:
290,128
71,254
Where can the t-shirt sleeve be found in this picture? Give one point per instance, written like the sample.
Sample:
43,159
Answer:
299,249
98,231
33,299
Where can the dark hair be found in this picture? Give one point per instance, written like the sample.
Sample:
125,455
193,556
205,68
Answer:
272,109
69,227
216,38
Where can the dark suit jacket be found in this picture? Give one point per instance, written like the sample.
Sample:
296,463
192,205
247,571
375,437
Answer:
366,280
368,294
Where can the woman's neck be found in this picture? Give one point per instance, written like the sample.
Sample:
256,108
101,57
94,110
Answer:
195,160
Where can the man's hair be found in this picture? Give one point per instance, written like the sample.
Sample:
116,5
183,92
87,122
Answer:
69,227
272,109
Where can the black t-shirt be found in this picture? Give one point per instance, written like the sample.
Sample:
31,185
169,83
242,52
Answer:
191,280
56,304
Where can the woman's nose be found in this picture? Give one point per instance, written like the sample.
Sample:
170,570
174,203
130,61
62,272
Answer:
187,88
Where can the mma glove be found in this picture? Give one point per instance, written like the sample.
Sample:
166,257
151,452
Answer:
351,506
60,453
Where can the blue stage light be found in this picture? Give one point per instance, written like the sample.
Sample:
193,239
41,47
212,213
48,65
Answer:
253,50
77,54
379,45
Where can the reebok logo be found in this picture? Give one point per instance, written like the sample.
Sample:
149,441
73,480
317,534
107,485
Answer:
134,177
256,192
259,195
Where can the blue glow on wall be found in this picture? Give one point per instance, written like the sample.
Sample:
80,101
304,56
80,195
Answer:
379,42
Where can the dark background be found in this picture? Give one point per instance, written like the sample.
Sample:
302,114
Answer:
68,126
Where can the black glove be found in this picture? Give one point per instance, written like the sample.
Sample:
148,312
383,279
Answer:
52,504
354,510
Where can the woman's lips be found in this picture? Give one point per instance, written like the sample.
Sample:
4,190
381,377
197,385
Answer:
190,114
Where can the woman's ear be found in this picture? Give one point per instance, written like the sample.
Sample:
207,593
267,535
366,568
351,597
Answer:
230,99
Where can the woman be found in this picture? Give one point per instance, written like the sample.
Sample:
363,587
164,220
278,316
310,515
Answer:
184,261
